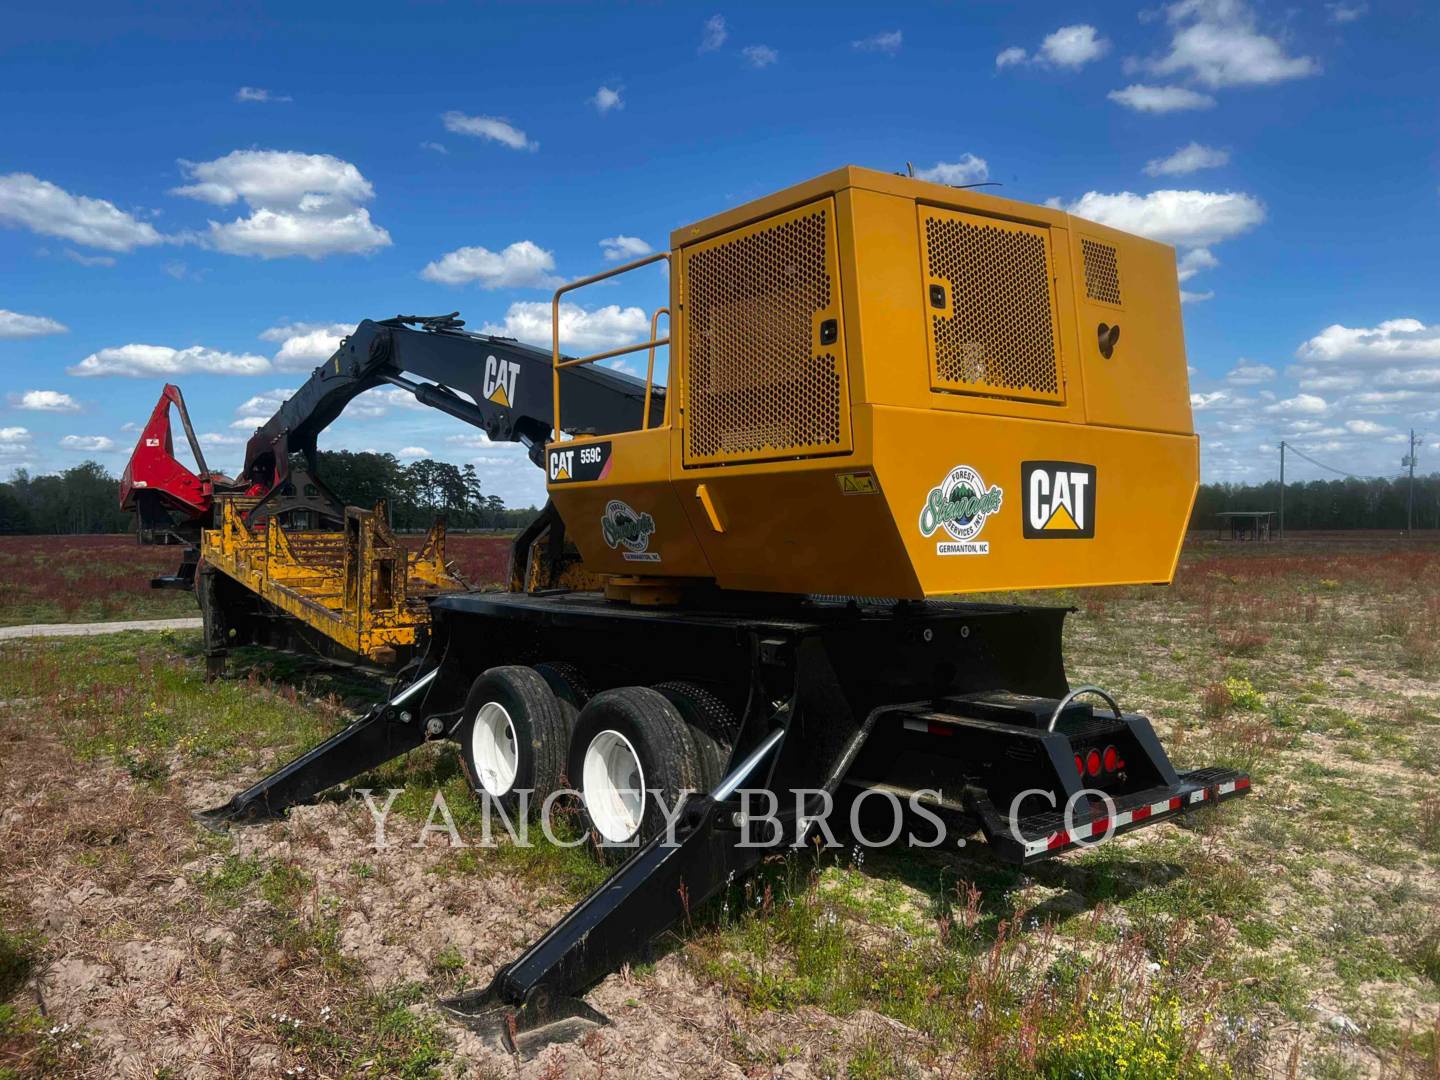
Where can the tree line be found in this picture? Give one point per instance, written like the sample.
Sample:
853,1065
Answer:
1350,503
86,498
419,492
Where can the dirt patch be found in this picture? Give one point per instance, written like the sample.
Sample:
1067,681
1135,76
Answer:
157,960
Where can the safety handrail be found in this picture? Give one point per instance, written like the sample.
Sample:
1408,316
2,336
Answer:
558,364
1073,694
650,367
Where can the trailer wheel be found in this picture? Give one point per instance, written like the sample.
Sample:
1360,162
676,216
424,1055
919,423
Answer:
513,736
631,749
712,726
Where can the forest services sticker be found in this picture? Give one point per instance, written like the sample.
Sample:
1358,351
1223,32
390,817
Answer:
626,528
960,505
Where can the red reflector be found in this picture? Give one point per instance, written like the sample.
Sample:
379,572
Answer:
1141,813
1059,840
1079,765
1175,803
1242,783
1092,762
1112,759
941,729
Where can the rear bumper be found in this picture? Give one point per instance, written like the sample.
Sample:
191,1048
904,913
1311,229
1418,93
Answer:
1092,821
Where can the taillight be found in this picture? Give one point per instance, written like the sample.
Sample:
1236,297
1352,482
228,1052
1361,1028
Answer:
1079,765
1112,759
1092,762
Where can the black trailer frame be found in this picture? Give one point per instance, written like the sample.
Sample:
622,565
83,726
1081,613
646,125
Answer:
964,707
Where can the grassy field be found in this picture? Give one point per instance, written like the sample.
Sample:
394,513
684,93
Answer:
1295,933
53,579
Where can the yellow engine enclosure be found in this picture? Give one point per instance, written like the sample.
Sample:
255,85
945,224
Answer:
886,387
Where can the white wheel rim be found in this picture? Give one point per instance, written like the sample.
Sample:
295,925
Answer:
494,748
613,786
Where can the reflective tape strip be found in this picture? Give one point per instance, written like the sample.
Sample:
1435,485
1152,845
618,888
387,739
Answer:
1066,838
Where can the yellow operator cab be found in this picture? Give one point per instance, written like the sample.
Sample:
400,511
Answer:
881,386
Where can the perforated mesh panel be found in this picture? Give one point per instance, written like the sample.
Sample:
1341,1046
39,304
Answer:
759,383
1102,271
994,332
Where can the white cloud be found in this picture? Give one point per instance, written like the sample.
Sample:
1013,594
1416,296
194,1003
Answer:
1346,13
1010,57
494,128
274,234
438,148
581,330
301,204
969,169
45,401
622,247
303,346
1188,159
1187,297
1194,261
1322,382
759,56
259,95
1217,43
1073,46
1160,99
1393,342
88,260
1220,401
522,265
714,33
160,361
1069,47
1249,373
1366,427
1300,404
49,210
15,325
888,43
414,452
215,438
606,99
13,436
89,444
1182,218
273,178
264,404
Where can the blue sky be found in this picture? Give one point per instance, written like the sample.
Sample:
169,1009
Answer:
206,193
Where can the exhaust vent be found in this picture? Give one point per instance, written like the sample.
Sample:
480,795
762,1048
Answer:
990,303
1102,271
766,366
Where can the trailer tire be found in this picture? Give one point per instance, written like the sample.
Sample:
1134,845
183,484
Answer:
568,683
513,737
629,740
712,726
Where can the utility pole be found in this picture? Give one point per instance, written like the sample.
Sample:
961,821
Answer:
1282,489
1409,460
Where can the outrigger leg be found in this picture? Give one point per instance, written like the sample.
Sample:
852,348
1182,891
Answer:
386,731
535,1000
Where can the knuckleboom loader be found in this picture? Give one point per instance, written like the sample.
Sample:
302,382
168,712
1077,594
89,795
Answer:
883,393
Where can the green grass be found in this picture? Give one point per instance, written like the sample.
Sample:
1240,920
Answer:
1138,951
370,1035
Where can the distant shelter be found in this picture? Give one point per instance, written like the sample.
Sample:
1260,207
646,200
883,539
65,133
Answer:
1245,524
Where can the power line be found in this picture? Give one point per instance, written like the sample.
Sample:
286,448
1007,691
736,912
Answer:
1341,472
